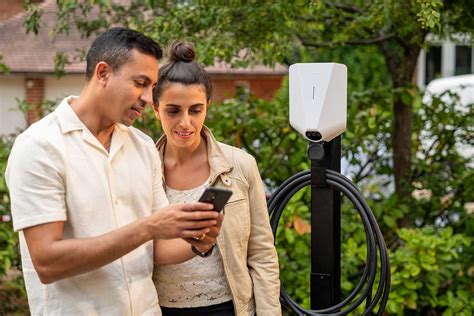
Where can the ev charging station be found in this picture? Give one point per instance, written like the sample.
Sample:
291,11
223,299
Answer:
318,111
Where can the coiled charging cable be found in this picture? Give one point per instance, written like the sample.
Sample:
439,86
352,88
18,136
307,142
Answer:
376,247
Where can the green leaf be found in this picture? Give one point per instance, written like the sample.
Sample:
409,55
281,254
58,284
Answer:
415,270
290,236
389,221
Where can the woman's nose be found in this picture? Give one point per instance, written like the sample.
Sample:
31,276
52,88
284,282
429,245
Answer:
185,120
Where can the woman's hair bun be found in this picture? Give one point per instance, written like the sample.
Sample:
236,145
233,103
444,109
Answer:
182,51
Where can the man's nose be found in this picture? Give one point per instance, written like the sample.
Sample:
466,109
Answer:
147,96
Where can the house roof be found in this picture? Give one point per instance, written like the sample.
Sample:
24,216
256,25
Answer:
30,53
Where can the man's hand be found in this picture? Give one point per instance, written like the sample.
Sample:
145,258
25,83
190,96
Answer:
186,220
204,243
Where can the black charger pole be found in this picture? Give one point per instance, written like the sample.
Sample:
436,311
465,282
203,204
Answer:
325,225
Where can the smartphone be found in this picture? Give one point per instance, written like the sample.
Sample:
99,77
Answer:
216,196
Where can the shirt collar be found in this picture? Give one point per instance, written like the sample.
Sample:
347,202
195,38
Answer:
68,119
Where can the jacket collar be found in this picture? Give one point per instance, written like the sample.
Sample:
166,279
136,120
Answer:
218,163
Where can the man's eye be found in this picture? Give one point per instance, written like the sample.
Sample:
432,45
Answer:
140,83
172,112
195,111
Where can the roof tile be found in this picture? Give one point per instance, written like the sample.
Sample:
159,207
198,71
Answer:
30,53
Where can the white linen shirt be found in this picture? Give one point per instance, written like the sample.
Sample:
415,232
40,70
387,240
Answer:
58,171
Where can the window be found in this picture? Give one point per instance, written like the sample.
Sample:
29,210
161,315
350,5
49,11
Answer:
433,63
463,60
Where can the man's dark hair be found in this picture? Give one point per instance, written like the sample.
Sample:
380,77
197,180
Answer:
114,47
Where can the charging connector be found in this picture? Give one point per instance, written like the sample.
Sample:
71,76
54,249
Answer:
376,248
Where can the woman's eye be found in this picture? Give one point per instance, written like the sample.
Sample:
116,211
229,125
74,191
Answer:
195,111
172,112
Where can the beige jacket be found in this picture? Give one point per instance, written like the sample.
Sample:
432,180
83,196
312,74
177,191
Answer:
246,241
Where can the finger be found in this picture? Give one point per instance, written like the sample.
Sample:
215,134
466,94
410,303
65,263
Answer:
195,206
195,242
220,219
190,233
213,232
188,225
189,240
208,240
201,215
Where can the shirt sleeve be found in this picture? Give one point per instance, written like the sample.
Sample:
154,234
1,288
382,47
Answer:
34,178
159,196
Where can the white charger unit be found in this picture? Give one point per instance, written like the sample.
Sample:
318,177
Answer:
318,100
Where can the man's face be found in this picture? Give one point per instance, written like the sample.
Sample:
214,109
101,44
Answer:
130,88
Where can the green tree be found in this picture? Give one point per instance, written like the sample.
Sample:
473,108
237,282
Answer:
432,259
243,33
3,68
12,293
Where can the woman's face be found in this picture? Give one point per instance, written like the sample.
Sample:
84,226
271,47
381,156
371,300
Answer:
182,111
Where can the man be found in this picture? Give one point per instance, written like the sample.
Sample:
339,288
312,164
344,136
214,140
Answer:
87,195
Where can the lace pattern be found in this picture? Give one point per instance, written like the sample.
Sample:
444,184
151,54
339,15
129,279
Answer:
196,282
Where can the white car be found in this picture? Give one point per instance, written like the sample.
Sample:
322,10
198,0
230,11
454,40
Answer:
463,86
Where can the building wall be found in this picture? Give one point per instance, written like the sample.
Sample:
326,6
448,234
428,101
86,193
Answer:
447,63
261,86
265,88
35,88
11,118
57,89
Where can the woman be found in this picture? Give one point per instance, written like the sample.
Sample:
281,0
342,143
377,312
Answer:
240,274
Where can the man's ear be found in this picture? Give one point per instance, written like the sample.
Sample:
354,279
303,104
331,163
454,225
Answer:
102,72
208,105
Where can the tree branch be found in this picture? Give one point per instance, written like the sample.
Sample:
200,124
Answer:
343,7
248,147
368,41
273,166
306,18
366,174
359,175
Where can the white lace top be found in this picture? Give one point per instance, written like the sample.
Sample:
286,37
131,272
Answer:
196,282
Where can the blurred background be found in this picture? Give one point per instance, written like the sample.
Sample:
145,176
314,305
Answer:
408,145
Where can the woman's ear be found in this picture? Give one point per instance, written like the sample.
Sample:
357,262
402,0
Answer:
208,105
156,111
